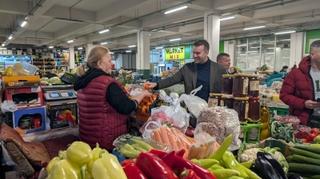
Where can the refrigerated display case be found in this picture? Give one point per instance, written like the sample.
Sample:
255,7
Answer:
10,60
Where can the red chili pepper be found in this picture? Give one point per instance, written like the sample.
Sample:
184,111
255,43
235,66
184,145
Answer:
189,174
153,167
158,153
181,152
132,171
202,173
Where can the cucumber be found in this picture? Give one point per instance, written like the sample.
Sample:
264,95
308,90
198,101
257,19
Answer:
304,168
304,153
308,147
303,159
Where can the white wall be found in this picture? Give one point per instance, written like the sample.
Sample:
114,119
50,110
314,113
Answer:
296,48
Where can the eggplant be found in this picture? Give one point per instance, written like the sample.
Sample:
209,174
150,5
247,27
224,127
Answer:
275,164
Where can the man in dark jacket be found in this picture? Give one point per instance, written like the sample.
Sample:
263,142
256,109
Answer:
301,88
202,71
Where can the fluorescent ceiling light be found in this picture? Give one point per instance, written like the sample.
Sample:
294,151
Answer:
132,46
103,31
80,48
10,37
158,48
284,40
111,53
128,51
3,44
176,39
175,9
70,41
285,32
51,46
103,43
227,18
254,27
24,23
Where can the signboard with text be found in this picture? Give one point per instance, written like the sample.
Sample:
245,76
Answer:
175,53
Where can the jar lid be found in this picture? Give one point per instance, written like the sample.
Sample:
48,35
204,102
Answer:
215,94
241,98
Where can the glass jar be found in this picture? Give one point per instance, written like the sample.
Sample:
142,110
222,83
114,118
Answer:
254,108
215,99
254,85
240,85
227,82
241,105
227,100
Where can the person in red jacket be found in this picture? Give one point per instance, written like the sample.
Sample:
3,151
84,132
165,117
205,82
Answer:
103,103
301,88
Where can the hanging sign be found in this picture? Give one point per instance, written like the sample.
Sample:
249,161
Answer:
175,53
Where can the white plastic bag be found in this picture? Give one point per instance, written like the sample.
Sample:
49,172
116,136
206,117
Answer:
8,106
194,103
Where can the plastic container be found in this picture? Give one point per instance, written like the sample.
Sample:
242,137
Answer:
31,69
241,105
278,111
227,83
240,85
253,86
215,99
227,100
254,108
251,132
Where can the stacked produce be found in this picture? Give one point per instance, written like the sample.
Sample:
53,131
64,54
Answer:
305,160
79,161
131,146
159,164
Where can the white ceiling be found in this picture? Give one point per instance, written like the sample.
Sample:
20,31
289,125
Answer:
53,22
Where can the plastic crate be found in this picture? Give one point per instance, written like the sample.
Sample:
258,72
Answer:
24,119
251,132
53,112
279,111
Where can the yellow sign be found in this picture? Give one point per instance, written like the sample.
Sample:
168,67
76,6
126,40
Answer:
174,53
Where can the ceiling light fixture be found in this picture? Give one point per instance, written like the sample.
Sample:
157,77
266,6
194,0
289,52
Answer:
158,48
80,48
174,40
132,46
51,46
24,23
285,32
3,44
175,9
103,31
227,18
70,41
111,53
10,37
128,51
254,27
103,43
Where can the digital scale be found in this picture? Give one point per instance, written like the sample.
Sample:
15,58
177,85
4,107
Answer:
59,92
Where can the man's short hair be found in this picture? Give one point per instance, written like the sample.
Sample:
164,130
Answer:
221,55
315,44
202,42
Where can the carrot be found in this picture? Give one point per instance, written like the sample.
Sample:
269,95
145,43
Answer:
172,139
182,137
156,136
164,136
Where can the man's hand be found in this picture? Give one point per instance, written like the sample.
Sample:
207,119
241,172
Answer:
149,85
309,104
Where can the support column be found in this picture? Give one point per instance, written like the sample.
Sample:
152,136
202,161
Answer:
143,53
71,58
212,34
296,48
88,48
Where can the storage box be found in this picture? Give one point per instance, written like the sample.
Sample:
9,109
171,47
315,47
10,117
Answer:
21,80
30,119
24,96
279,111
62,115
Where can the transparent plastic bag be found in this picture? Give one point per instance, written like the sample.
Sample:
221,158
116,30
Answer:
194,103
8,106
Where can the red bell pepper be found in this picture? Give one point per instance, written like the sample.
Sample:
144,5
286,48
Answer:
202,173
132,171
189,174
158,153
181,152
153,167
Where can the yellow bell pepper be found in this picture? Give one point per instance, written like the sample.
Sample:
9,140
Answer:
63,169
99,171
113,166
52,163
96,152
79,153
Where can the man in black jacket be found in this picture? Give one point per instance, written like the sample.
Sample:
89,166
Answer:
202,71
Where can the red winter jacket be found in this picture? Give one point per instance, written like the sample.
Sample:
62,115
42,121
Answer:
99,122
297,88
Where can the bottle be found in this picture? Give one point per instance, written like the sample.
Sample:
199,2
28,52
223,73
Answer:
265,130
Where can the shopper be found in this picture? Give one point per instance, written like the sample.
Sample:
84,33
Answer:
104,105
224,60
301,88
284,69
202,71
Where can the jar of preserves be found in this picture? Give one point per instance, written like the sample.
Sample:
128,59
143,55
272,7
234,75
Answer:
215,99
254,108
227,100
227,82
241,105
254,85
240,85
